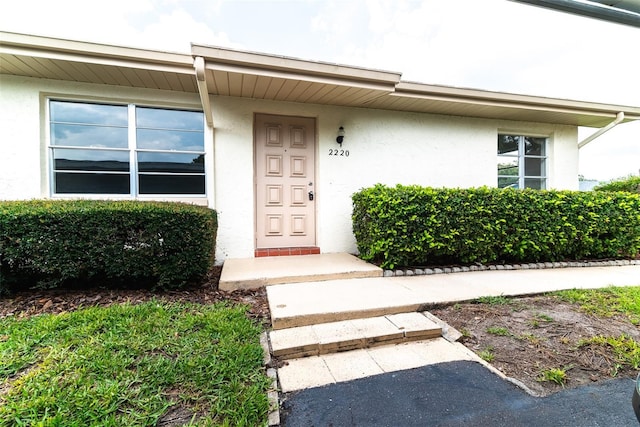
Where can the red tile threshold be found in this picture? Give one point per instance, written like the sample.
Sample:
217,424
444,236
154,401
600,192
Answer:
306,250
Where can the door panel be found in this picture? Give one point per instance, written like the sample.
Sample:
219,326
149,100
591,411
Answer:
285,177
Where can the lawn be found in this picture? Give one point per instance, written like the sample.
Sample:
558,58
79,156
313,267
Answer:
155,363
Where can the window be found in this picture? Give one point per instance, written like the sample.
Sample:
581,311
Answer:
125,149
522,162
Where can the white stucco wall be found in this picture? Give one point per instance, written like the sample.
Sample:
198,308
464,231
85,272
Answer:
384,147
23,126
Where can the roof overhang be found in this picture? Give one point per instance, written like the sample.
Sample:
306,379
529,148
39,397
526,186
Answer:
225,72
44,57
278,78
252,75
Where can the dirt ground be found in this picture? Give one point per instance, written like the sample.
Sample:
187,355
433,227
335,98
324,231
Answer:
540,332
34,302
533,334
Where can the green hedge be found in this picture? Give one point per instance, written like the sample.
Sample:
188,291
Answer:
49,243
410,225
630,184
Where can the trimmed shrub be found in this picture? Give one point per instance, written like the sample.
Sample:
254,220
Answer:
49,243
630,184
411,225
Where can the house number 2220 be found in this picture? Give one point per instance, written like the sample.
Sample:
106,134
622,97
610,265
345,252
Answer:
336,152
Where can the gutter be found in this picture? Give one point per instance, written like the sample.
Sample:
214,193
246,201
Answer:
619,118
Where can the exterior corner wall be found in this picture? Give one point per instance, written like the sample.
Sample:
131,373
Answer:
21,159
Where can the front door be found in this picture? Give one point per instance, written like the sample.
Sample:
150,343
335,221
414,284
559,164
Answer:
285,174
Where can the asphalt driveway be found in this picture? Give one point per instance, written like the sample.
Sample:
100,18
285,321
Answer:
454,394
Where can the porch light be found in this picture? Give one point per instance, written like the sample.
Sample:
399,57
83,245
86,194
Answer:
340,137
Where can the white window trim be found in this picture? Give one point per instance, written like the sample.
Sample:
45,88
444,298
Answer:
132,149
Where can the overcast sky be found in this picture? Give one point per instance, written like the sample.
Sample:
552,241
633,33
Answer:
490,44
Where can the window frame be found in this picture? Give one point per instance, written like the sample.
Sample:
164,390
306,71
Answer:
522,156
131,149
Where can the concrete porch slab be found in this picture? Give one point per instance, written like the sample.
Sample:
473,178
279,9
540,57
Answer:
251,273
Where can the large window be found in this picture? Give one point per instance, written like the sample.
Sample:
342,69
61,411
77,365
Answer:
125,149
522,162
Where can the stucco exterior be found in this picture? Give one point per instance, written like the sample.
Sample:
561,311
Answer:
384,147
388,147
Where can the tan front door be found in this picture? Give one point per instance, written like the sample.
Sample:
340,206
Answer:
285,187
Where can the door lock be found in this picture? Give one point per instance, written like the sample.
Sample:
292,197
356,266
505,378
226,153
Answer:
310,195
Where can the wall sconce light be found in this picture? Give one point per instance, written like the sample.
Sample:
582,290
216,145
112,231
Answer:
340,137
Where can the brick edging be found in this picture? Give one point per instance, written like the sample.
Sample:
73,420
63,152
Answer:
525,266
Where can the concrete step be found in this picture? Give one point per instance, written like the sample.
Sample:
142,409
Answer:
333,337
251,273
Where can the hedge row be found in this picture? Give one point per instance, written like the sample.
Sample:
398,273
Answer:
630,184
48,243
410,225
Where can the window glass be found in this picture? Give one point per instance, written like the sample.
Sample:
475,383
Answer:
521,161
508,182
535,183
171,184
95,114
88,136
91,160
533,166
170,162
507,165
92,147
534,146
156,139
508,144
156,118
91,183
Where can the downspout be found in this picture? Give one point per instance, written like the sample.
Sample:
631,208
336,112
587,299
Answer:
619,118
203,90
201,80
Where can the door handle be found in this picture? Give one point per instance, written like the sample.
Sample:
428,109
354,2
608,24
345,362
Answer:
310,195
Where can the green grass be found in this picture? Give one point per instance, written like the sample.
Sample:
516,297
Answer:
625,349
498,330
126,365
493,300
487,354
606,302
555,375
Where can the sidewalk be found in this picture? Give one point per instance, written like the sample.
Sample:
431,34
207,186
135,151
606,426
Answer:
298,304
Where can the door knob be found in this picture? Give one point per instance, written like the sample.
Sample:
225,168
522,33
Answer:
310,195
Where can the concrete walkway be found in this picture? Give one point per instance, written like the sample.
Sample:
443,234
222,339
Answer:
336,319
299,304
335,302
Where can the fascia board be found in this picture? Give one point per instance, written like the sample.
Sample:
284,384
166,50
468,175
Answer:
37,45
501,99
99,60
284,64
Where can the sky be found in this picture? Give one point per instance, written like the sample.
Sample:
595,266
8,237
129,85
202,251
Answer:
496,45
